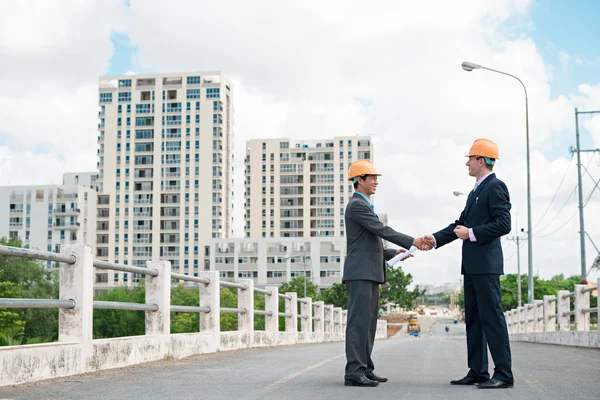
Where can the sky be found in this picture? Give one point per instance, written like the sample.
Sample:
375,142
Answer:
314,69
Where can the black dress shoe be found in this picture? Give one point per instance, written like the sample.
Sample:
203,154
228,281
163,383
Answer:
360,381
468,380
373,377
494,384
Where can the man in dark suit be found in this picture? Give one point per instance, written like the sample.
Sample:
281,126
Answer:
485,219
364,271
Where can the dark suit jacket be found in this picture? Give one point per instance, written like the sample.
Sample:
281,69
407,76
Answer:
365,258
488,213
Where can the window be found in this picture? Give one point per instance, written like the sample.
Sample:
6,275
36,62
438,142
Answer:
124,97
193,93
105,97
124,83
213,93
193,80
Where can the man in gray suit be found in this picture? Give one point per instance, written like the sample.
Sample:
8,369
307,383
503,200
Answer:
364,271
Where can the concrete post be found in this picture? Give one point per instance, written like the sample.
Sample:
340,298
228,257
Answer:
564,306
582,301
306,309
337,321
344,322
319,317
529,317
538,314
328,318
158,291
76,283
514,317
210,296
246,300
291,307
272,305
520,319
549,313
508,317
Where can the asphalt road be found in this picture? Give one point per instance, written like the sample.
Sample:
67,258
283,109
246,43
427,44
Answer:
418,368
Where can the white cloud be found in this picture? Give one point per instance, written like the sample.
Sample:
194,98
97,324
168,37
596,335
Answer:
319,69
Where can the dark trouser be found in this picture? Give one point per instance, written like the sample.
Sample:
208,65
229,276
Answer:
363,306
486,326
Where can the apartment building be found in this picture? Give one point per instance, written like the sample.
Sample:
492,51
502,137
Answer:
87,179
48,216
299,188
165,150
275,261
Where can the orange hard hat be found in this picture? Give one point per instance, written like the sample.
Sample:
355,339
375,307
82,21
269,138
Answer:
360,168
484,148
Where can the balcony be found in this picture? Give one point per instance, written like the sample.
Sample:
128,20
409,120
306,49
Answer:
142,214
142,201
66,225
16,211
67,211
142,240
16,224
173,174
175,188
142,228
170,253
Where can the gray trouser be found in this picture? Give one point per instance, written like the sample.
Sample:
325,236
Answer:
363,306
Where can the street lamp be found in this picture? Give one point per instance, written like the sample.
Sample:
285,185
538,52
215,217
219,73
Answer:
469,66
304,265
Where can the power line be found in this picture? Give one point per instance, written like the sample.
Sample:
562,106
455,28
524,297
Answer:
562,226
556,193
564,205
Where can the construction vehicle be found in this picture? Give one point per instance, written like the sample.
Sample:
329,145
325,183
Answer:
413,323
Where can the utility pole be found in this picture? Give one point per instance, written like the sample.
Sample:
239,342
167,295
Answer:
518,240
578,150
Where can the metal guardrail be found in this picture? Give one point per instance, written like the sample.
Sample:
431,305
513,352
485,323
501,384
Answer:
125,268
118,305
570,295
36,303
233,285
263,291
113,305
188,278
40,255
589,289
190,309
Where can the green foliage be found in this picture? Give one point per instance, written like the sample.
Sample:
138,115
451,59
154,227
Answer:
118,323
185,322
297,285
336,295
229,321
34,281
395,290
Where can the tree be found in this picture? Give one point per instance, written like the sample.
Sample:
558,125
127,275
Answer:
297,285
185,322
336,295
11,326
118,323
229,321
395,290
35,281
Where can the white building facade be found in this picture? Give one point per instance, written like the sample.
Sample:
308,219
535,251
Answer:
48,216
275,261
165,149
300,189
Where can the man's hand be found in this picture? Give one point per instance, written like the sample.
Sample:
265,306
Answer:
401,250
462,232
424,243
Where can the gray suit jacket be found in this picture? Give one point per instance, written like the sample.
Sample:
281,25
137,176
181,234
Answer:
365,258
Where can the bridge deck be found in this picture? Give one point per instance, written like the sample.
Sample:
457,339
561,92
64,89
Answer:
418,368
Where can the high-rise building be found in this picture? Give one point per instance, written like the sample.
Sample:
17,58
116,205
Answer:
87,179
165,170
299,189
48,216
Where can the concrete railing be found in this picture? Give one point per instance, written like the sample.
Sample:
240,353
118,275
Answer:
549,320
77,352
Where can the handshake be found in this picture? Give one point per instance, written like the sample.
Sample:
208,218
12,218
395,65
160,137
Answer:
424,243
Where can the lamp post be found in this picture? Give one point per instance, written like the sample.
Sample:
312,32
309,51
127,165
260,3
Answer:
468,66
